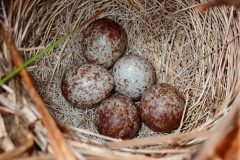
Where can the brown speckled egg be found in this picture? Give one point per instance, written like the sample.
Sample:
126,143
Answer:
86,85
133,75
117,117
104,42
161,108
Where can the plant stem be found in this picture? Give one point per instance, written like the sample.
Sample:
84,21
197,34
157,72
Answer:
36,56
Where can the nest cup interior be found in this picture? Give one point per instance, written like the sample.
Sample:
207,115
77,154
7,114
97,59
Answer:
192,51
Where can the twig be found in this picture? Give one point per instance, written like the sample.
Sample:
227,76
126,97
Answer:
60,146
42,157
157,139
105,153
226,125
18,151
215,3
4,101
4,110
5,142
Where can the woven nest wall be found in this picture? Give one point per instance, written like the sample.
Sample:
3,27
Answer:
195,52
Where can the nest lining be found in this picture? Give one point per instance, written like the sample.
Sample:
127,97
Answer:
194,52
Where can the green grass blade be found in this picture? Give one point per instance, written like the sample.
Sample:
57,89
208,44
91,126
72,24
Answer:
36,56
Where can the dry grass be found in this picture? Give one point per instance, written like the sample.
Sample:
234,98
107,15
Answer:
195,52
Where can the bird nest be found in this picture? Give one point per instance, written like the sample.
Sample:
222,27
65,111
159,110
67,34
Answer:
196,52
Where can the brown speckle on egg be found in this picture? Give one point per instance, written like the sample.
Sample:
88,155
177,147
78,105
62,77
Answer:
86,85
104,42
162,108
117,117
132,76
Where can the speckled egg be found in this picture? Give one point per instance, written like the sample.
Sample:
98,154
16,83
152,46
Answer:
86,85
104,42
117,117
133,75
161,107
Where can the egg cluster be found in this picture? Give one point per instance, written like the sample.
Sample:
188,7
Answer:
131,79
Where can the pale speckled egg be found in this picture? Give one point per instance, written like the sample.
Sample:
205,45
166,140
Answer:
133,75
104,42
117,117
161,107
86,85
